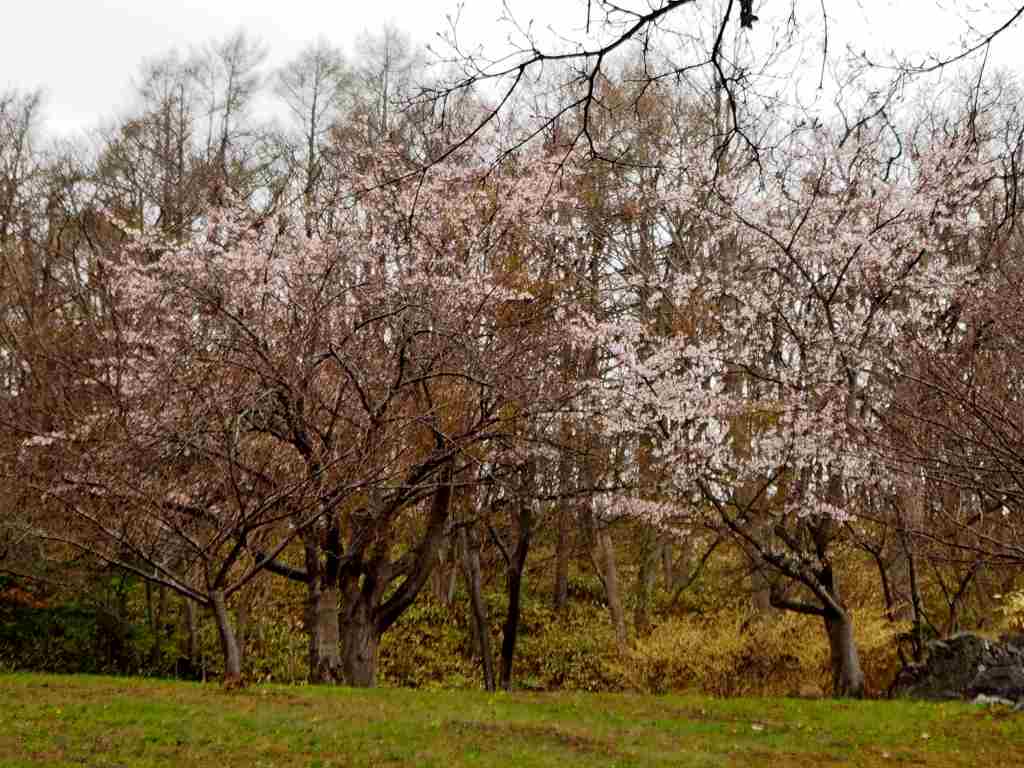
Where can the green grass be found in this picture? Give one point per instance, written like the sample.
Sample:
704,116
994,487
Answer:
105,721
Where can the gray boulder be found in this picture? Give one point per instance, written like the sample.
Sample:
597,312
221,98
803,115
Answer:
966,666
1003,682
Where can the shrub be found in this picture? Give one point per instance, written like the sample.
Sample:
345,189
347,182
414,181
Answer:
735,654
430,647
1012,610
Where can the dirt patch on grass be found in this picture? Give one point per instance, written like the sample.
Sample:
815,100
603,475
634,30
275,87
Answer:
549,733
749,757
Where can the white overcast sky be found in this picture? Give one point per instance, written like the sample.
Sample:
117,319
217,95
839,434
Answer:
84,53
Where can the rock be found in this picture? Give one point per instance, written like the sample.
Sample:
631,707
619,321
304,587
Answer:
948,669
966,666
991,701
1005,682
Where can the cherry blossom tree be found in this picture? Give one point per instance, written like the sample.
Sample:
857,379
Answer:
259,385
818,273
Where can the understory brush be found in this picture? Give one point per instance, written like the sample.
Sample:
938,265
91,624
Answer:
708,642
739,653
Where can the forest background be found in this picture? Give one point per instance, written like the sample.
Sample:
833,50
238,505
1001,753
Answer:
606,366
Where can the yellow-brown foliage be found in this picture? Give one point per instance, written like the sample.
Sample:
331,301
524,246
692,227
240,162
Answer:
1012,612
735,654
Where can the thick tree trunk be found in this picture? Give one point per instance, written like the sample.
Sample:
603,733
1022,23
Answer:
322,605
324,639
470,545
228,641
361,642
847,676
364,583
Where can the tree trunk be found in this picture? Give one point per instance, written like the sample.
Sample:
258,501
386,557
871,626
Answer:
898,572
681,569
187,667
191,630
847,677
445,572
439,573
901,565
514,571
157,623
366,580
647,573
470,545
760,583
515,566
563,550
453,583
242,617
150,610
610,574
510,629
667,563
228,641
322,605
163,605
916,613
761,592
361,642
563,544
324,639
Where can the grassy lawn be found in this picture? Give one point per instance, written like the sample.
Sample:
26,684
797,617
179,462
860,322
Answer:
104,721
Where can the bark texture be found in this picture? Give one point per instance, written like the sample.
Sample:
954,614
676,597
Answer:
610,574
362,641
370,605
847,676
515,562
325,649
228,641
469,541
